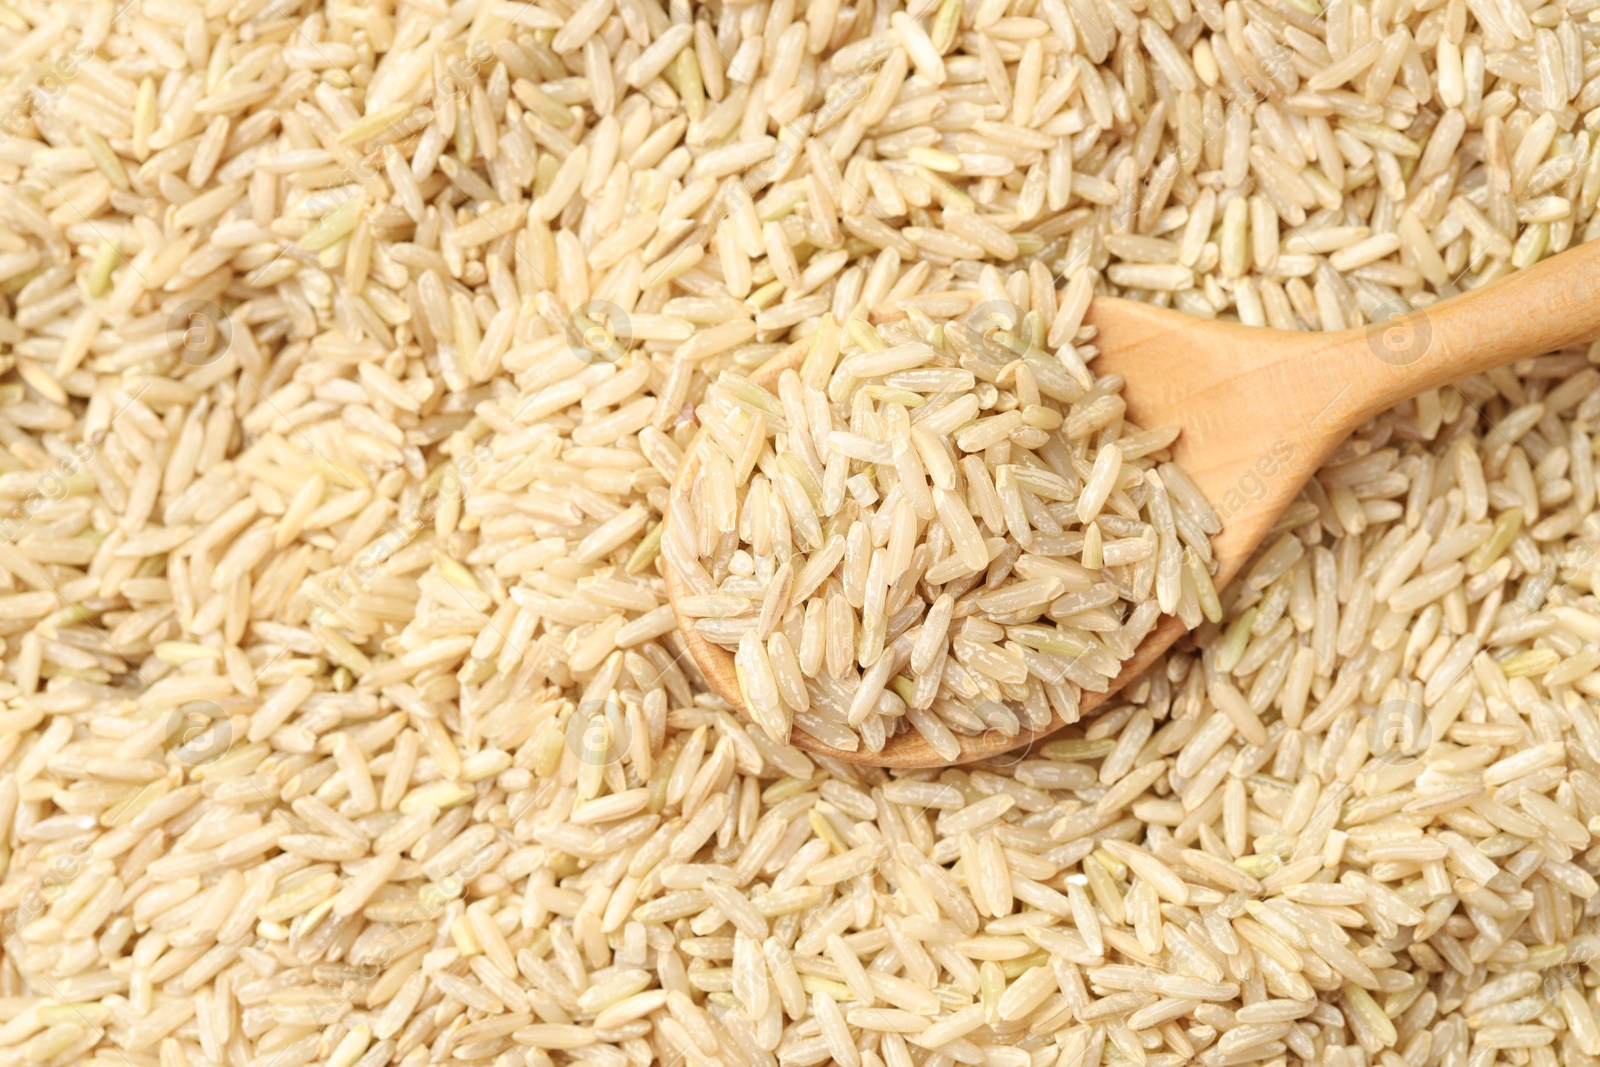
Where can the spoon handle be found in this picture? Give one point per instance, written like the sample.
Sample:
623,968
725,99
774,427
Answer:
1549,306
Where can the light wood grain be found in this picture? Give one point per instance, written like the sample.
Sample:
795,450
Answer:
1260,410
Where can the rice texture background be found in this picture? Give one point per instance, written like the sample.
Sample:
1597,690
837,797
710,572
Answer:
349,351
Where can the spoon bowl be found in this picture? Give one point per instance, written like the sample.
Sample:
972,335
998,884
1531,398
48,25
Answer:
1260,410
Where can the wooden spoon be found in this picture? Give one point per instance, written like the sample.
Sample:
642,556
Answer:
1259,410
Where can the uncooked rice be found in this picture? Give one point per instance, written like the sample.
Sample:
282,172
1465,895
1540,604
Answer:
350,350
908,532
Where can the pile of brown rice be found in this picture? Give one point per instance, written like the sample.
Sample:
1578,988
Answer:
349,352
865,482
